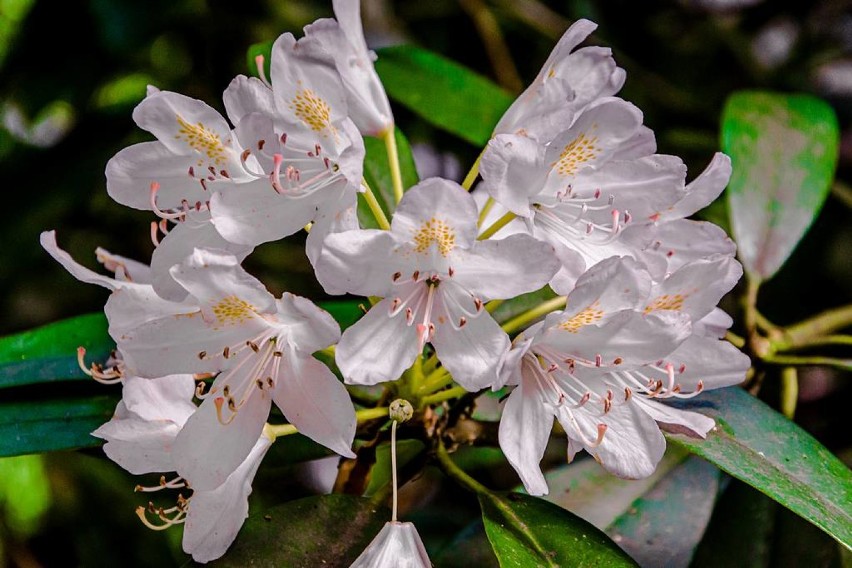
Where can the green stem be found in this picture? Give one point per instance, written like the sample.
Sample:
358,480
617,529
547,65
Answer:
389,137
815,342
819,325
493,305
789,391
449,394
498,224
277,430
752,288
486,209
473,173
374,206
735,340
525,318
436,380
495,45
393,471
845,364
455,472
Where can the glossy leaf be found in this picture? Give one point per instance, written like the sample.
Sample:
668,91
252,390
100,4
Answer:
784,152
55,424
49,353
380,475
527,531
325,530
442,92
757,445
378,175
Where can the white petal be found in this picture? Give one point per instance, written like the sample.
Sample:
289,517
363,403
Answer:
163,398
333,216
715,324
361,262
436,199
136,444
611,286
694,422
315,402
697,287
396,546
247,95
214,517
377,348
704,189
78,271
675,243
716,363
311,328
524,431
513,170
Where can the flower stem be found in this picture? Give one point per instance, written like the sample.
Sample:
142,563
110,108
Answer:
493,305
278,430
473,173
789,391
455,472
486,209
819,325
497,225
393,470
844,364
441,396
374,206
525,318
389,138
436,380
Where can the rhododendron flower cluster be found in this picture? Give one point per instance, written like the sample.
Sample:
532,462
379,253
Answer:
582,204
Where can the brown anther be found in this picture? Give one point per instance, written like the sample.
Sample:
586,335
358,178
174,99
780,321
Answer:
607,405
462,321
203,184
617,361
244,156
609,394
676,388
270,382
598,360
253,346
284,138
627,393
415,275
212,170
226,392
451,271
396,276
700,386
682,368
478,303
191,171
202,354
232,406
224,174
226,352
259,384
261,144
138,488
277,354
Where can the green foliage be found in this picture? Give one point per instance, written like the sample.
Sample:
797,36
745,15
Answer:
24,492
442,92
378,175
326,530
757,445
784,153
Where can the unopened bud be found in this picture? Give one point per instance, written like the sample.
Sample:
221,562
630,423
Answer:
400,410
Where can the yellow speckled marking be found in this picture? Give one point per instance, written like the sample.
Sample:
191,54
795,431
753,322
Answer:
435,231
231,310
580,150
311,110
586,317
666,302
201,139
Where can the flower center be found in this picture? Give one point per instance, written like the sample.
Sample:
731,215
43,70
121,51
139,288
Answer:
666,302
202,140
577,152
312,110
232,310
437,232
588,316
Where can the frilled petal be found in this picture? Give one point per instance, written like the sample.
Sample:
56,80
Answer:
396,546
130,307
436,213
513,171
472,352
216,440
697,287
311,328
195,232
214,517
704,189
524,431
247,95
361,262
712,362
138,445
378,348
78,271
163,398
315,402
498,269
611,286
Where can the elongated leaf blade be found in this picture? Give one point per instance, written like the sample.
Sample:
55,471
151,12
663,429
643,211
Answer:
378,174
527,531
759,446
326,530
784,152
442,92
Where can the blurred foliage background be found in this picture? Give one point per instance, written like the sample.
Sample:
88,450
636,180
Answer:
71,73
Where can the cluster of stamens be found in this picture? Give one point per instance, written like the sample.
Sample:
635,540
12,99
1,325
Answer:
109,376
569,218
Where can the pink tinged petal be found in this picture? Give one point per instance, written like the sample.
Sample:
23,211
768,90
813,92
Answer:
524,431
675,419
498,269
378,348
138,445
216,440
436,200
213,277
631,446
255,213
195,232
362,262
513,171
315,402
712,362
471,351
78,271
697,287
396,546
163,398
215,517
247,95
715,324
704,189
642,143
131,172
311,328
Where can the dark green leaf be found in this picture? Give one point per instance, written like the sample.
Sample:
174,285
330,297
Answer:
527,531
442,92
754,443
406,450
470,547
263,48
377,173
56,424
784,151
523,303
344,312
326,530
49,353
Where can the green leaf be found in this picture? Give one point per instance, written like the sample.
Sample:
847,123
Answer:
523,303
54,424
24,493
442,92
757,445
49,353
527,531
263,48
326,530
344,312
377,173
784,151
380,475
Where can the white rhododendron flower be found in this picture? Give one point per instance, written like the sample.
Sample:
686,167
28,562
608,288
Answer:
260,346
434,276
396,546
568,82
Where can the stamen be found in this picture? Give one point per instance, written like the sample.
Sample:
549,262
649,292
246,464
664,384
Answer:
155,187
